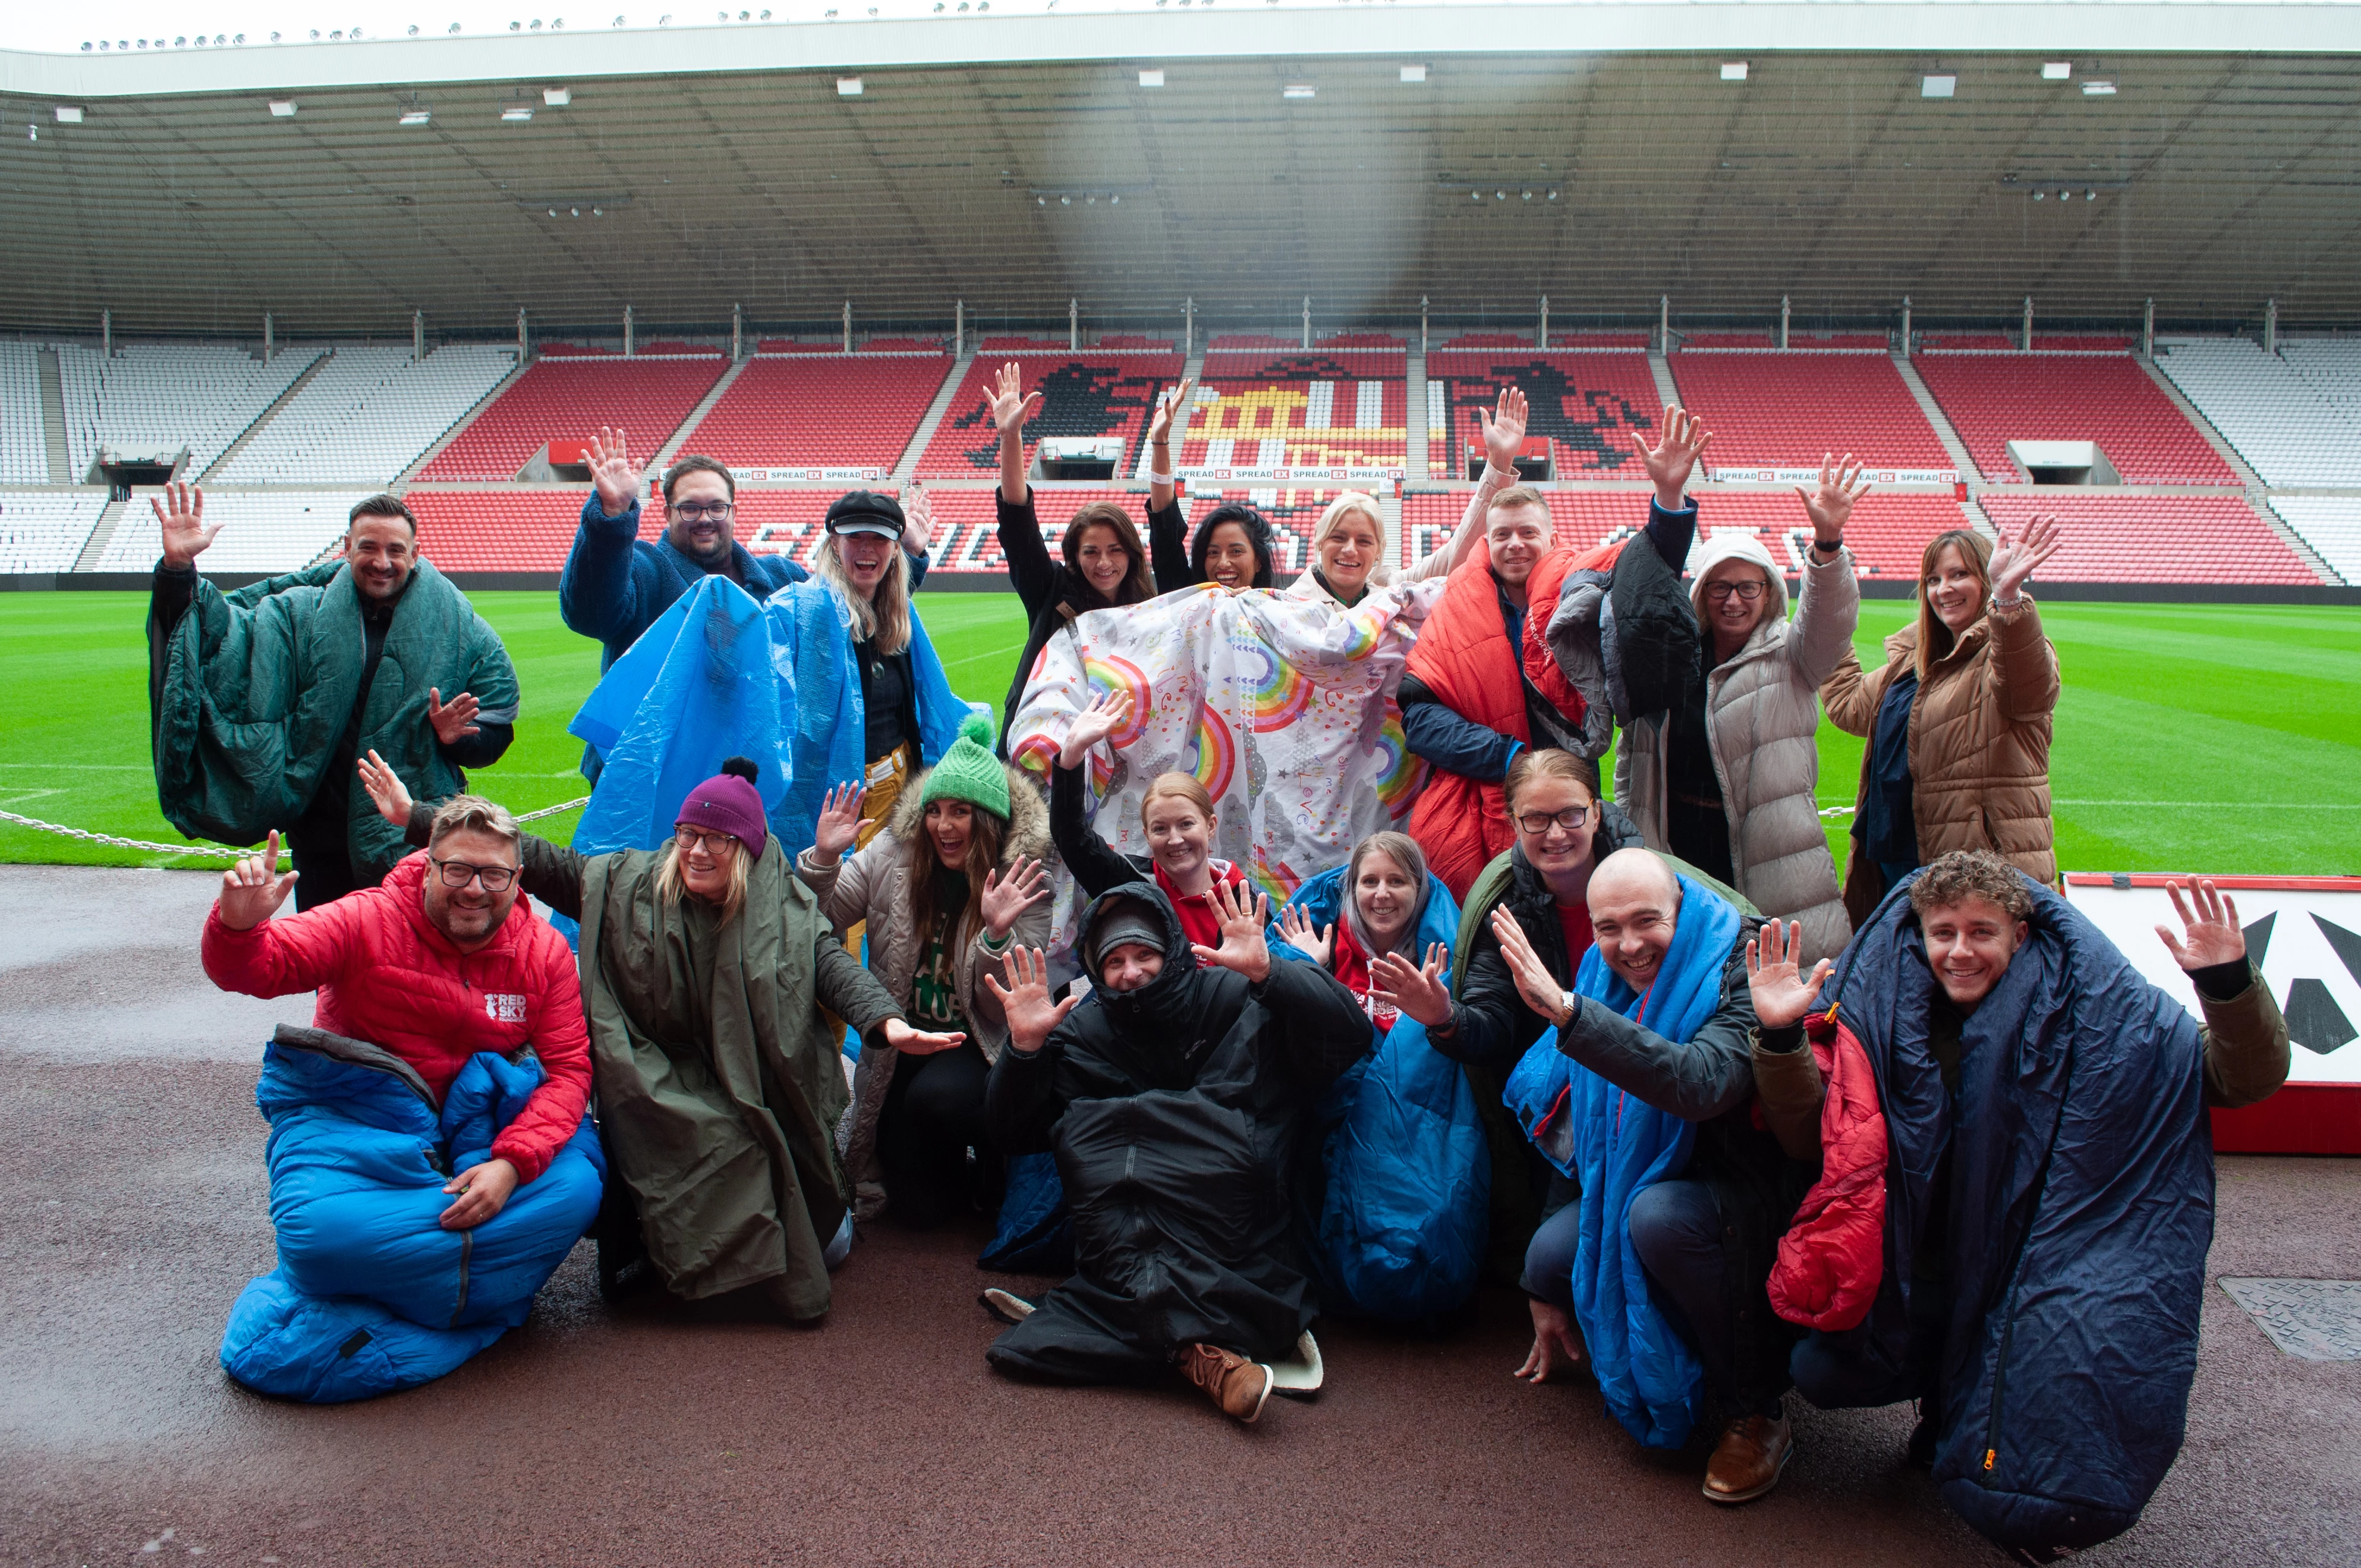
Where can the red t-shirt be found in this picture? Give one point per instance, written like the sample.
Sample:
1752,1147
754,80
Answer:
1201,921
1573,919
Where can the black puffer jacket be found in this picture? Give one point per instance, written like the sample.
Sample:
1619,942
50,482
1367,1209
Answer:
1175,1112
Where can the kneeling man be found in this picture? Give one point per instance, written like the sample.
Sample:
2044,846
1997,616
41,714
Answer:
430,1161
1173,1098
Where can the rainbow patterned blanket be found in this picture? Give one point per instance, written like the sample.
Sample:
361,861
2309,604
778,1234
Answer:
1282,708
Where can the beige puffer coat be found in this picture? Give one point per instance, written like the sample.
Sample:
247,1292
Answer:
1762,719
873,884
1978,744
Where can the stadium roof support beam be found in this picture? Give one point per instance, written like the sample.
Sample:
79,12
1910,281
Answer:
417,335
2270,326
2027,345
1307,322
2147,329
629,342
847,327
1905,326
270,340
1541,339
1783,323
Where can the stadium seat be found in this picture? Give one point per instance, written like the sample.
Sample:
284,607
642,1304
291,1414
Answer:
1261,404
1771,409
24,446
839,411
2155,539
1588,402
2284,415
152,397
2331,525
367,415
1105,392
44,530
568,396
1992,398
277,531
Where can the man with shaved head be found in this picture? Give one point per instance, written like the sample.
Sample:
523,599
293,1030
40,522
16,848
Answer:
1646,1098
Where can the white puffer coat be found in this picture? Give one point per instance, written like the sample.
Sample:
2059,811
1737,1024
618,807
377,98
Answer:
1762,717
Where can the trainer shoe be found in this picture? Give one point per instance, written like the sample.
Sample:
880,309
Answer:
1754,1451
1238,1385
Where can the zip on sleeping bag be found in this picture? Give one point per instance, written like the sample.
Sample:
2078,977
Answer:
466,1250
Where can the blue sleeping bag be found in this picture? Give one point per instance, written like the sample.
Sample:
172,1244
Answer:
2080,1212
370,1294
1617,1146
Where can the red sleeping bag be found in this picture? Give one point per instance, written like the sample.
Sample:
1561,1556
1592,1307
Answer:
1833,1255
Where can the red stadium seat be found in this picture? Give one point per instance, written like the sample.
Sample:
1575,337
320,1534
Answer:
564,399
1993,398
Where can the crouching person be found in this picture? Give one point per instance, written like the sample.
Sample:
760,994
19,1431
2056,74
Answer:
2048,1199
1173,1098
429,1162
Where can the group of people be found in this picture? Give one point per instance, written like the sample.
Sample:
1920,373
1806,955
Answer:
1735,1127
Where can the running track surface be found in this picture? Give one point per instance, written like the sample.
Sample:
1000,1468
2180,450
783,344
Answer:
132,1154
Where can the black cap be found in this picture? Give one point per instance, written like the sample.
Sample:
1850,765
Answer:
866,511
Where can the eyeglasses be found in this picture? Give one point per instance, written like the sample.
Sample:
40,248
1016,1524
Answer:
1540,822
703,512
716,843
459,873
1749,591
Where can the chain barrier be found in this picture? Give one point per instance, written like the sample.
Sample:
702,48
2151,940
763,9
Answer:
208,852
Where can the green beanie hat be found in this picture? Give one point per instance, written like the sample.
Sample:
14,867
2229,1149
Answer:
969,770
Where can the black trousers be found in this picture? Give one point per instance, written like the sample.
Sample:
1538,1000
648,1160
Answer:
327,866
933,1116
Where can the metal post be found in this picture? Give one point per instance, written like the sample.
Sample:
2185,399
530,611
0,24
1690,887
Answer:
958,328
847,327
1541,342
1664,324
1782,323
2147,331
2270,326
2029,325
1074,324
418,334
627,344
106,334
1905,326
1421,323
270,340
1307,322
1188,326
737,334
524,341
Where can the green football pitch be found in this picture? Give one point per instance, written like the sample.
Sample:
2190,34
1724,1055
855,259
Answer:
2189,737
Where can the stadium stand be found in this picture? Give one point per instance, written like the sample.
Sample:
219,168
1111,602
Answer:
367,415
1786,410
155,398
839,411
1586,403
2330,366
1261,404
2331,525
24,448
561,397
2003,343
44,530
1888,532
1103,392
2155,539
1993,398
262,532
1765,342
2289,430
521,529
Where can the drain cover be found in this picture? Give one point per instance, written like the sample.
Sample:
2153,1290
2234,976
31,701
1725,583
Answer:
2311,1319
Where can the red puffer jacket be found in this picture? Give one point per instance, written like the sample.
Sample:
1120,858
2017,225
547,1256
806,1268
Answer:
1833,1255
386,975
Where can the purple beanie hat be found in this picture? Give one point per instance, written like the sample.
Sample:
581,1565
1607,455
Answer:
728,802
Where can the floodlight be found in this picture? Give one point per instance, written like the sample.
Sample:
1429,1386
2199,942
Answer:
1299,90
2057,70
515,114
1528,195
1733,71
558,97
848,87
1151,79
416,116
67,113
282,108
2089,196
1938,86
2098,89
1413,74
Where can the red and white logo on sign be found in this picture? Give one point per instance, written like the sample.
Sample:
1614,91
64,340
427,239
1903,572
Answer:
504,1009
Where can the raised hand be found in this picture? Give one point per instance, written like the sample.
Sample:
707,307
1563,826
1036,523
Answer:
1829,506
386,789
181,514
1557,1345
1312,941
2013,560
917,1042
483,1191
1670,462
1107,713
1415,990
1025,1000
1011,404
918,519
1540,988
253,889
1504,430
2212,932
838,827
1244,913
1168,408
1006,897
455,720
612,473
1782,992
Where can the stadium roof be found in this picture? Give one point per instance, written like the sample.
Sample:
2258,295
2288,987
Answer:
1015,162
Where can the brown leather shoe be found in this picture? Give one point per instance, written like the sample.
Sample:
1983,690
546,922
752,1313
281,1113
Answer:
1238,1385
1747,1461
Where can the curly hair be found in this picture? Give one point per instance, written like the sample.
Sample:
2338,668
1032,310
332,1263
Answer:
1963,874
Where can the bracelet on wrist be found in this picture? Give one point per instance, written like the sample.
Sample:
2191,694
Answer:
1155,478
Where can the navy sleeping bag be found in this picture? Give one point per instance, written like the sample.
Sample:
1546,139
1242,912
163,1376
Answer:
2063,1326
372,1294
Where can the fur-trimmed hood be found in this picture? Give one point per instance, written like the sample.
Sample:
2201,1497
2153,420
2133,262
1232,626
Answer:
1027,836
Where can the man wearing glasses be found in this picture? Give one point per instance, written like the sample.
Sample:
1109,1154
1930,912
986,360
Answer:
418,979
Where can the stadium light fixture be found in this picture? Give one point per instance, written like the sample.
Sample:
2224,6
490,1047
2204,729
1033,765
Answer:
2057,70
416,115
282,108
1938,86
1151,79
1733,71
515,114
2098,89
1299,90
558,97
67,113
848,87
1413,74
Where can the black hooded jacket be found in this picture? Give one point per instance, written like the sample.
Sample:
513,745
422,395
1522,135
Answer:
1052,593
1175,1112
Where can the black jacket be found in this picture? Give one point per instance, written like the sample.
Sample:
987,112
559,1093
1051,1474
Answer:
1051,592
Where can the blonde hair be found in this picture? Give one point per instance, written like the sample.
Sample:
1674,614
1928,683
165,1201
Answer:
1975,553
1184,785
1516,496
671,887
1549,763
472,813
1343,505
882,619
